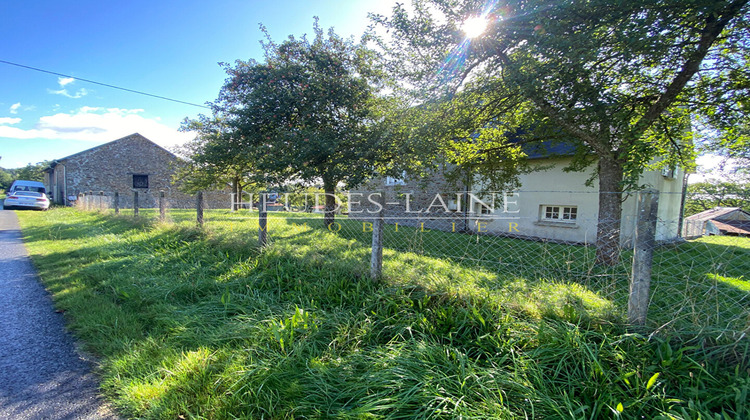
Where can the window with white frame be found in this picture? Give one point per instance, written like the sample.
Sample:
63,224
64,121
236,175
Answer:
483,209
567,214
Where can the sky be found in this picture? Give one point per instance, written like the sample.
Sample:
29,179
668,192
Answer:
165,48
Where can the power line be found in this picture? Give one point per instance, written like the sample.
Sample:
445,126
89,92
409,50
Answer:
102,84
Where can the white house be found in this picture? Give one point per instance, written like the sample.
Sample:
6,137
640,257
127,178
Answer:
551,204
557,205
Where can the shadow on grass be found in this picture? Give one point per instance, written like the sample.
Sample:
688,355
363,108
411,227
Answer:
191,324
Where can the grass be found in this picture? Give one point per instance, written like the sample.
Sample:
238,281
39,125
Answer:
191,323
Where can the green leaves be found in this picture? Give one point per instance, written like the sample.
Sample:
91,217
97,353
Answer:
310,108
652,381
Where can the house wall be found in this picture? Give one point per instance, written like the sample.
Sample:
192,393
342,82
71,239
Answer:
411,202
549,185
711,228
520,214
670,204
554,186
109,168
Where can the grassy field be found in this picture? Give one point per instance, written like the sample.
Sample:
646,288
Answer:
191,323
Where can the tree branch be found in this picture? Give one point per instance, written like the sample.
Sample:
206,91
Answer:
711,31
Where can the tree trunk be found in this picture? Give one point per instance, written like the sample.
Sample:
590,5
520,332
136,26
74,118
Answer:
235,184
610,211
329,188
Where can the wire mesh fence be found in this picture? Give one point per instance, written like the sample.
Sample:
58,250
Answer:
530,251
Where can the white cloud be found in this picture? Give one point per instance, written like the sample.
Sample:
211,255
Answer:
64,92
98,125
8,120
14,108
62,81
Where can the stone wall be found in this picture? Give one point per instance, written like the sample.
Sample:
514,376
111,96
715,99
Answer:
414,202
111,168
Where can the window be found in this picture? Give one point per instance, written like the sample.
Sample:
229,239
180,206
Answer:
483,209
140,181
668,172
559,213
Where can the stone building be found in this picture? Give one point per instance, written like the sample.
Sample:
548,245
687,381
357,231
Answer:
124,166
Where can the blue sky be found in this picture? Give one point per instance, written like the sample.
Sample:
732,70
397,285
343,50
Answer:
165,48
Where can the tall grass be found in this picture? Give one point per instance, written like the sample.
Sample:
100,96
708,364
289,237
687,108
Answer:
191,323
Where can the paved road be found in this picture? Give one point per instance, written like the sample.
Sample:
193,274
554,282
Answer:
42,376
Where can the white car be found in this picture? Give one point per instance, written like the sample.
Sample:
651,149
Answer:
26,200
23,185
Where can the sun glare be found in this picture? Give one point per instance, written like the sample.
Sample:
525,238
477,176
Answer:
474,26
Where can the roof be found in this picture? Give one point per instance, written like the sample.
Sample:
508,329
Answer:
134,136
714,213
543,149
739,227
548,148
539,149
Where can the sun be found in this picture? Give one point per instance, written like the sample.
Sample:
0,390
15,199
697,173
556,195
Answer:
474,26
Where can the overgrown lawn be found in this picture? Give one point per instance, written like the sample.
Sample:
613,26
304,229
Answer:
192,323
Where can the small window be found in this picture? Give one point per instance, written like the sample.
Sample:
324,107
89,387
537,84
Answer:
483,209
668,172
140,181
559,213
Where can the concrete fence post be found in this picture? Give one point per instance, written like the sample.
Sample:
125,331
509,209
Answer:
80,201
643,254
116,203
135,203
376,258
199,208
262,222
162,207
90,201
101,201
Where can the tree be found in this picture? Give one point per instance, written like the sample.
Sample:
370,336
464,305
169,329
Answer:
731,142
31,172
312,108
618,79
713,193
6,179
216,157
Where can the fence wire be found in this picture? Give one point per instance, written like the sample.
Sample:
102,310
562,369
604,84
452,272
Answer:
530,251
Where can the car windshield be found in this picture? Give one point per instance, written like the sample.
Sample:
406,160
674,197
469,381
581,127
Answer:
29,189
28,193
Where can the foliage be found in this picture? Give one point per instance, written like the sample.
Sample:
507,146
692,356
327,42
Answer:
218,156
6,179
30,172
312,108
198,324
713,193
613,79
732,143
